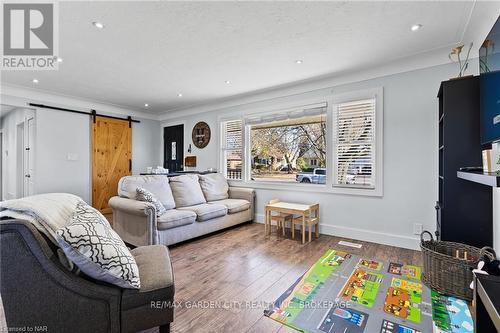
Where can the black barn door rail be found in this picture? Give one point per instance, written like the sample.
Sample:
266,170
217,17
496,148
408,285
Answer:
93,113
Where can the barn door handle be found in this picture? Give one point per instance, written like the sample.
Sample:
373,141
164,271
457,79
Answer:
130,164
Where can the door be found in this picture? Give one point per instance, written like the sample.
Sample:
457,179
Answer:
111,159
29,163
1,166
173,153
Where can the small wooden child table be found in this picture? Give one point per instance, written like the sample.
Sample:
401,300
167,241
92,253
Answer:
308,216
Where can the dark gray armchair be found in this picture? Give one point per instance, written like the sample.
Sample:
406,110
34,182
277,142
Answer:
38,291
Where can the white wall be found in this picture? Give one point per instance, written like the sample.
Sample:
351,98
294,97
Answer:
410,159
58,134
147,145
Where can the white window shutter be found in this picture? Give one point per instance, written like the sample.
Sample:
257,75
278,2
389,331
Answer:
232,149
354,144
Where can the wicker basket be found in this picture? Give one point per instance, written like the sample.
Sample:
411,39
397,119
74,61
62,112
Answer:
448,265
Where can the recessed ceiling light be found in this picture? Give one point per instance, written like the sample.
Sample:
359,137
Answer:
415,27
179,95
146,105
35,81
227,82
98,25
298,62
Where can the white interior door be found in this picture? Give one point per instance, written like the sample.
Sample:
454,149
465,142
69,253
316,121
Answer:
29,157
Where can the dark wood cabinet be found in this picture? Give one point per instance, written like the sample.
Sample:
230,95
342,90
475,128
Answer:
464,209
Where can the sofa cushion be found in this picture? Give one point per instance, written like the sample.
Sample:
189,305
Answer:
90,243
214,186
186,190
157,185
206,211
233,205
145,195
175,218
157,279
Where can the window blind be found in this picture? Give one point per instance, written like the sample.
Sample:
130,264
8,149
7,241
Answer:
354,144
283,115
232,149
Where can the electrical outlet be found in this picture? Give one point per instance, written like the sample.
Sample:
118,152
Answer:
417,228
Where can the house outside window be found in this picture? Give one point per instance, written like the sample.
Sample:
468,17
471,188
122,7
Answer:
282,149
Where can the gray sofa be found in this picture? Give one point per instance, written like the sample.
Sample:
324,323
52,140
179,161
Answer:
196,205
39,293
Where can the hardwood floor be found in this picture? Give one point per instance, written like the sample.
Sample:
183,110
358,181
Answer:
242,265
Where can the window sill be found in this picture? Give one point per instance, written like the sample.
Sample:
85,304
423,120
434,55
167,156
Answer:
298,187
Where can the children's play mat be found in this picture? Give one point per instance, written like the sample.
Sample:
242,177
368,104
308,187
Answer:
345,293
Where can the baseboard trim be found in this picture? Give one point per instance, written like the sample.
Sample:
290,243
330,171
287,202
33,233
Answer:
364,235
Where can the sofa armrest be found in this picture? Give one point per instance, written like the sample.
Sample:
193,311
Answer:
130,206
242,193
134,221
50,293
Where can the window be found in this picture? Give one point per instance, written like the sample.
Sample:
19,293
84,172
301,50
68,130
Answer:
334,145
354,144
289,149
232,149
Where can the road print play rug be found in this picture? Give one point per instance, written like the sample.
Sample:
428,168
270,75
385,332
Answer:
346,293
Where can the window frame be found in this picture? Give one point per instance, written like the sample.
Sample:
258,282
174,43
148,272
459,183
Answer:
221,140
331,100
352,96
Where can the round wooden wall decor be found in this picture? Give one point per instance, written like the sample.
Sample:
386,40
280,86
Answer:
201,134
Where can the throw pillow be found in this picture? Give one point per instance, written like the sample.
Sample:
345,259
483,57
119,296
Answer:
186,190
157,184
145,195
90,243
214,186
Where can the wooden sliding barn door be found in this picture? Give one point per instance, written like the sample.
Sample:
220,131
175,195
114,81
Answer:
111,159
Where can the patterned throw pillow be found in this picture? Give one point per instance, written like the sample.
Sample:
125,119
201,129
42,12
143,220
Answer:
145,195
90,243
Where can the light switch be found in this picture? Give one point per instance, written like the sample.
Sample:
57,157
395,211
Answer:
72,157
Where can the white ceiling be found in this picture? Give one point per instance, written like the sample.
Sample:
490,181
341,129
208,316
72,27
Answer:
149,52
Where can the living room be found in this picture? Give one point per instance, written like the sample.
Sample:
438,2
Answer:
237,154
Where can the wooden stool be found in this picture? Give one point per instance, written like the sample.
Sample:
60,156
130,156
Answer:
309,219
278,217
